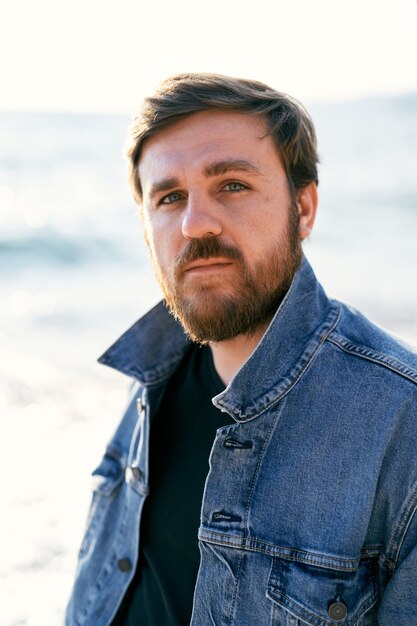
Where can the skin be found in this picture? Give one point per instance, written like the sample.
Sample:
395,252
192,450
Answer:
214,174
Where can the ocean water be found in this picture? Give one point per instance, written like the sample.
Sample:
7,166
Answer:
74,274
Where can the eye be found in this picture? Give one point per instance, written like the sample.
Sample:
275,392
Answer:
170,198
234,186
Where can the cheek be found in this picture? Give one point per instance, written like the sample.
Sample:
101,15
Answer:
151,232
162,242
261,231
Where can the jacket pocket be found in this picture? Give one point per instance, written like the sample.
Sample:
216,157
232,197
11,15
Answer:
107,476
322,596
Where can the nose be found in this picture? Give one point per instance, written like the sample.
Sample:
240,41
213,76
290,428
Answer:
200,219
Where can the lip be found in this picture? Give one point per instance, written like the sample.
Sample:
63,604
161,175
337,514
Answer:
208,265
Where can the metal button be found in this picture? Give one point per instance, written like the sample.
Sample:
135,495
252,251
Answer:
124,565
139,405
337,611
136,473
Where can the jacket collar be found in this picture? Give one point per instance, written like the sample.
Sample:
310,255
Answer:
152,348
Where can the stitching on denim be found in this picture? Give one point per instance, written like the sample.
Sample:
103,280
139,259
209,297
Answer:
375,357
329,325
372,550
306,614
235,588
157,376
96,514
259,542
291,554
256,472
291,604
108,565
394,548
246,516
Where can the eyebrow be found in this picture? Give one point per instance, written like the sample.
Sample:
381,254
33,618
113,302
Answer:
213,169
165,184
231,165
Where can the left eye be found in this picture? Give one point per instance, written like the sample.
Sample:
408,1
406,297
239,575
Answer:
234,187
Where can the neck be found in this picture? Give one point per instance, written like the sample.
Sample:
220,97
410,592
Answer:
229,356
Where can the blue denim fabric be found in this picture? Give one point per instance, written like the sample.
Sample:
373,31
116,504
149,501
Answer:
308,514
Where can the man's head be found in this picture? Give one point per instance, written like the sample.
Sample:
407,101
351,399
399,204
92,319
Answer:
287,121
225,171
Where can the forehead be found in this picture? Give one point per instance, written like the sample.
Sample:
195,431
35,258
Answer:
192,143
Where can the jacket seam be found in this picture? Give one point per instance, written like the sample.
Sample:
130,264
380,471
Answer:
309,360
295,555
373,356
256,472
288,601
323,338
401,530
150,377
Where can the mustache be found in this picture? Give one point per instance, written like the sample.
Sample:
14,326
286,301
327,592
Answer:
205,248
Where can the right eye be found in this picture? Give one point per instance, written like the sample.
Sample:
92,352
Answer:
170,198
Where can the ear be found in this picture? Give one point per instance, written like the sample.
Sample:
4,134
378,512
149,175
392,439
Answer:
307,199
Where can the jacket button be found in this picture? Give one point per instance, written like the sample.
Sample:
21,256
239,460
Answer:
337,611
124,565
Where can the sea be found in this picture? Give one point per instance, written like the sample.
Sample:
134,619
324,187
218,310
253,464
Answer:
74,274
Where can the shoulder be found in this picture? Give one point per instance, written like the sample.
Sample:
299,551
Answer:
357,336
378,378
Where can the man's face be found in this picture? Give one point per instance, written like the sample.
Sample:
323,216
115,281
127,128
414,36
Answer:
219,222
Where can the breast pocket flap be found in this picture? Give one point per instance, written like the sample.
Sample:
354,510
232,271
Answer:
322,596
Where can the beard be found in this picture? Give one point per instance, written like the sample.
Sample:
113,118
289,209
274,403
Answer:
241,302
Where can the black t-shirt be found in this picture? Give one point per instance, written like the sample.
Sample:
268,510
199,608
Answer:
182,435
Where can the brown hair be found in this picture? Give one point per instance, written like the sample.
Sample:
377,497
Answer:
184,94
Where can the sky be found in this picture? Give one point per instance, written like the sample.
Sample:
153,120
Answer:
102,56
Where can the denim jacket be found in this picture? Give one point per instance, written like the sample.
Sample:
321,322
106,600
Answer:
308,514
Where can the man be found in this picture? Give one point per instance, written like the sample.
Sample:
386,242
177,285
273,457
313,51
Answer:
264,472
